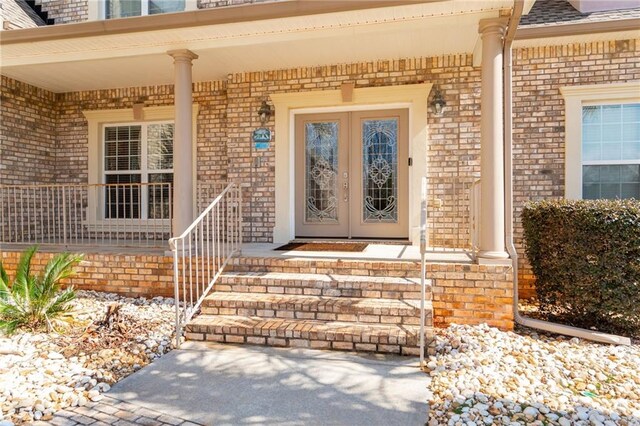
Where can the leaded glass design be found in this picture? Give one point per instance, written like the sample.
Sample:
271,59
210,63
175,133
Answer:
321,169
380,171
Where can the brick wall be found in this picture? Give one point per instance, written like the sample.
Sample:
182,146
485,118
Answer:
129,275
538,109
472,294
27,133
66,11
453,150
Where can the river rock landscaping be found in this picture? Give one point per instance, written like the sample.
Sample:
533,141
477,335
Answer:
41,373
483,376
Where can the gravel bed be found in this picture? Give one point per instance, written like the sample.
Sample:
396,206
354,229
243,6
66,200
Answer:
483,376
41,373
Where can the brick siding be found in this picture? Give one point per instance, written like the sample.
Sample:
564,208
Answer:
538,111
27,133
66,11
128,275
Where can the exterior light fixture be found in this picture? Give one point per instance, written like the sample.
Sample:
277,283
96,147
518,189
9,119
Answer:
438,103
264,112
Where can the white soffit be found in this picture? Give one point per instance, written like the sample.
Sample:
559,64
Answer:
133,59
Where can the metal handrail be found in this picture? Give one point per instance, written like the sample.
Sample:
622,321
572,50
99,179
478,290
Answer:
202,251
423,262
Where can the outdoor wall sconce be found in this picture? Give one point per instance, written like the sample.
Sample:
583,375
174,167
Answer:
264,112
438,103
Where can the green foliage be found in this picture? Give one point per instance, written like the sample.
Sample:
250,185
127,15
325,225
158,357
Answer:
34,301
586,258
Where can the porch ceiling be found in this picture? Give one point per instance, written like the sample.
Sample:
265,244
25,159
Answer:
137,58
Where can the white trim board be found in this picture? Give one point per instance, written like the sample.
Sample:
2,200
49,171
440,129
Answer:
414,97
575,97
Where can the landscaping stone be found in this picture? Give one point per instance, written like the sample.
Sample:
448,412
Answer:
41,373
483,376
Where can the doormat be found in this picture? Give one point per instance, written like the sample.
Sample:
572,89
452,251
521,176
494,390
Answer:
350,247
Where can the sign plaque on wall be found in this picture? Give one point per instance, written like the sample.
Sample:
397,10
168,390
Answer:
261,138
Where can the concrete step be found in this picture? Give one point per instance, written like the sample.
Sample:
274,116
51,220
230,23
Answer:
364,310
358,267
365,337
312,284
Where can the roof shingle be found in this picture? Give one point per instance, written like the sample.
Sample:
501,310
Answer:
560,12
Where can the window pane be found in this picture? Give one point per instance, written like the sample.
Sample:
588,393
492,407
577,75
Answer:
591,191
631,113
122,8
631,132
121,199
591,152
630,190
591,133
164,6
615,181
612,151
160,146
611,132
591,174
122,148
160,191
611,114
591,114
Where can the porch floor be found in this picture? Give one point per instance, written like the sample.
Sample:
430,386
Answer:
374,251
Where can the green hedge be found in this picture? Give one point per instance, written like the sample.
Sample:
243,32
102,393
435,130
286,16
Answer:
586,258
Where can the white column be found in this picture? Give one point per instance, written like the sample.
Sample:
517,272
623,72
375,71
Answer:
492,234
182,141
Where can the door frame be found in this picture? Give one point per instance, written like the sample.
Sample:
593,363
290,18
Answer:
413,97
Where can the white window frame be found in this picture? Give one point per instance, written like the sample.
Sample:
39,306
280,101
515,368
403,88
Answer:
97,120
143,172
98,8
575,98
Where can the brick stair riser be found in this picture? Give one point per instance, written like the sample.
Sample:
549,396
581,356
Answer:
364,269
238,284
313,340
409,316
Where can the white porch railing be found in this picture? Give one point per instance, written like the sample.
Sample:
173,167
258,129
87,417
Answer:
203,250
474,217
122,214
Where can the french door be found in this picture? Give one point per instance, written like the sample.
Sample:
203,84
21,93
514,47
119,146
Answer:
352,174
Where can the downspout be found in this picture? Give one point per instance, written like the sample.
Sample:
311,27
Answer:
514,20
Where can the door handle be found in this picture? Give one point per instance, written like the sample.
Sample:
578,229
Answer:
345,185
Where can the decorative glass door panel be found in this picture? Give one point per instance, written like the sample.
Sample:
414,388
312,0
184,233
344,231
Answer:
321,168
380,171
321,161
351,175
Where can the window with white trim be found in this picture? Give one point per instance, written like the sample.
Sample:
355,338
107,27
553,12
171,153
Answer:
138,170
611,151
126,8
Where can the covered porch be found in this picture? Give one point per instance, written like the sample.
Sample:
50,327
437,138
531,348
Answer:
229,43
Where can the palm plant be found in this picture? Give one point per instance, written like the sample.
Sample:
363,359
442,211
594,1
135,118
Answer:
34,301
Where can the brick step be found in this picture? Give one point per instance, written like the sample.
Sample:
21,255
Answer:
364,268
384,338
321,285
375,311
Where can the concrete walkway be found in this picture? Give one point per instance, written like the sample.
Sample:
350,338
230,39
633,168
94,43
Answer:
214,384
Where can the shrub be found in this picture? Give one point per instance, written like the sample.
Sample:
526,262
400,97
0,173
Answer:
586,258
34,301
